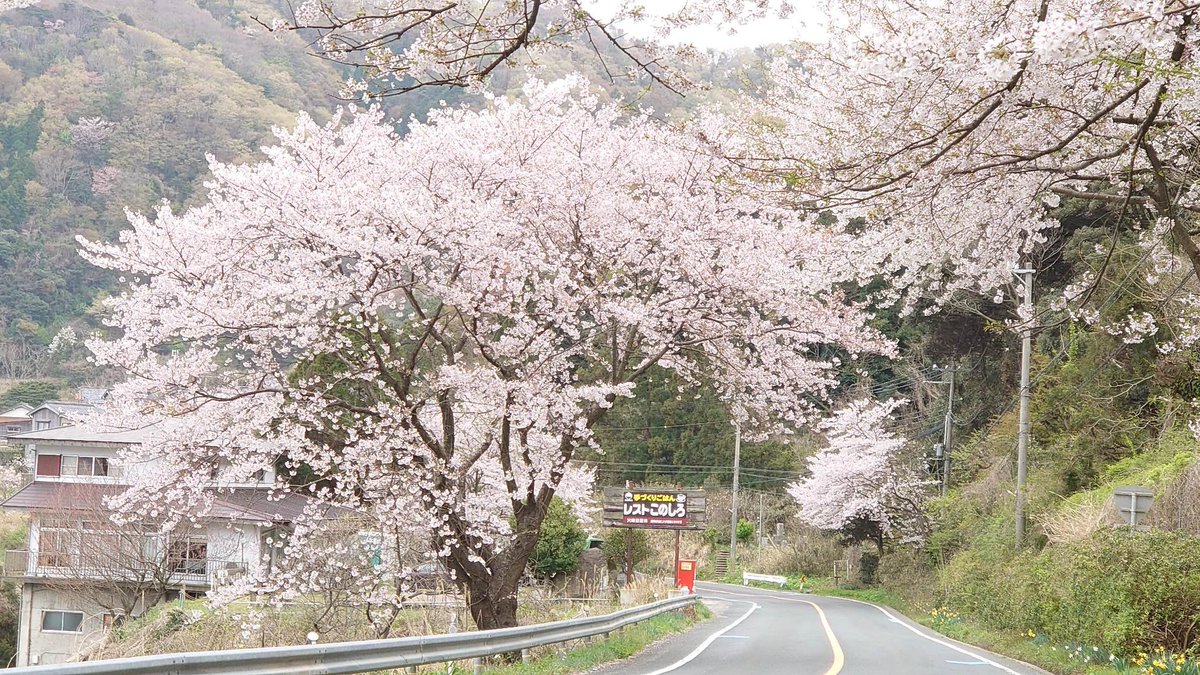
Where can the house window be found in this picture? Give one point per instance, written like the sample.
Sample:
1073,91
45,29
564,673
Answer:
49,465
43,424
13,430
62,622
84,466
54,548
189,556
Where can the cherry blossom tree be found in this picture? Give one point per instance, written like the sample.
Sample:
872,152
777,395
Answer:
403,45
857,485
939,133
15,4
423,329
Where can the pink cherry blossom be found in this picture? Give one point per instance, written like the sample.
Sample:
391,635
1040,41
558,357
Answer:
428,326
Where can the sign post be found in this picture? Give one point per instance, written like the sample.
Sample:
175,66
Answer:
1132,502
654,508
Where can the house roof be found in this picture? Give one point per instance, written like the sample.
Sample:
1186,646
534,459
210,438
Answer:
83,434
14,420
18,411
246,504
93,395
41,495
67,408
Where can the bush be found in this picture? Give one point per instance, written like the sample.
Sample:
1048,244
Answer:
614,548
30,393
868,568
745,530
560,542
1118,590
811,556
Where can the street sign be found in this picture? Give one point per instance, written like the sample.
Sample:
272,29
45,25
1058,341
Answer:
654,508
1133,502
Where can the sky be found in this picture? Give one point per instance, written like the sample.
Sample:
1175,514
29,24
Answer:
805,22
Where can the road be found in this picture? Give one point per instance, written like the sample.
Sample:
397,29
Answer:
762,631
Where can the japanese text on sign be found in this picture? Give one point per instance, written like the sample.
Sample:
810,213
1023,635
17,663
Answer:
654,509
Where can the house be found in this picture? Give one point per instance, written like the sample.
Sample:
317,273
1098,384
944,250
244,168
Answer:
55,414
14,421
80,572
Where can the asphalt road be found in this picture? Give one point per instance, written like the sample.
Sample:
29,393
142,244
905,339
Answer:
762,631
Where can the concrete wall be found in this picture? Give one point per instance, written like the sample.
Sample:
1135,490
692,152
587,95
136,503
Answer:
37,646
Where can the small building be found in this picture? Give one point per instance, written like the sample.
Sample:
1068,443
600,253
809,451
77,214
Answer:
80,572
14,424
55,414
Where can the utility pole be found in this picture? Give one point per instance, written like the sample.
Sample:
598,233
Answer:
759,533
1023,429
737,462
948,431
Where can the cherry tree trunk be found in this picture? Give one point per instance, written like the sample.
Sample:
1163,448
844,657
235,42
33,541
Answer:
492,607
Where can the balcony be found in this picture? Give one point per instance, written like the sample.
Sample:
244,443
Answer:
67,567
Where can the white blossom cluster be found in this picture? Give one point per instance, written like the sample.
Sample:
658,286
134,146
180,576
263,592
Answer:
427,327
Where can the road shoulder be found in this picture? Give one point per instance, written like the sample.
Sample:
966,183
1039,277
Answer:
666,651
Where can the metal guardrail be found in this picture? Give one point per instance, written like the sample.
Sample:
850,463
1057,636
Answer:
367,655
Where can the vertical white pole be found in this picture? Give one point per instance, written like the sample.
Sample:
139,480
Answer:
737,461
1023,428
947,432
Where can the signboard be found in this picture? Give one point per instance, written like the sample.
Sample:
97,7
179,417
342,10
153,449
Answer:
654,508
1132,502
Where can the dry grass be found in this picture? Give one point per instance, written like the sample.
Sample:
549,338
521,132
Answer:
1076,522
990,486
1178,506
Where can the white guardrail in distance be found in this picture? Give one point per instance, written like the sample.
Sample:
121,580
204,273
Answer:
367,655
747,577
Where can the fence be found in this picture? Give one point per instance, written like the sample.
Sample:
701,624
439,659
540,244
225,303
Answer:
73,566
368,655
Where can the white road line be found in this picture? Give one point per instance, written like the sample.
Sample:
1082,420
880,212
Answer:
711,638
955,647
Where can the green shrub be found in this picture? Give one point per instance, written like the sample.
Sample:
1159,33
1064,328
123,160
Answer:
868,568
1118,590
745,531
614,548
560,542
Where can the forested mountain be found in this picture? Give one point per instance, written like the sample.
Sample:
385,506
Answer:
108,107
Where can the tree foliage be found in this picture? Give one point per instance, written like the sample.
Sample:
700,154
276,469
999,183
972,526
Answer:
31,393
561,540
499,278
857,485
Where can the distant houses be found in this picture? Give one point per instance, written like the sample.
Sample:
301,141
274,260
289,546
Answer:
80,573
15,421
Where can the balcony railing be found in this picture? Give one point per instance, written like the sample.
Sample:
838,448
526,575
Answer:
194,572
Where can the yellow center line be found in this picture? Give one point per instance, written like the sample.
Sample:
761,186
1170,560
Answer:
839,658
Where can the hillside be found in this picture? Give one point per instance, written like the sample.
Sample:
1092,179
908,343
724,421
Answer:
108,107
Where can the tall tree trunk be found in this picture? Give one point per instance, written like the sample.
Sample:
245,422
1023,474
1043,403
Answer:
492,605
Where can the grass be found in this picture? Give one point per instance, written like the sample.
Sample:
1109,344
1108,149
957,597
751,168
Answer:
619,646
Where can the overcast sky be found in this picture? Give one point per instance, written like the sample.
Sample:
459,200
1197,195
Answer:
804,23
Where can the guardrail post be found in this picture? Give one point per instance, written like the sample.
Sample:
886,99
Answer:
476,666
524,655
